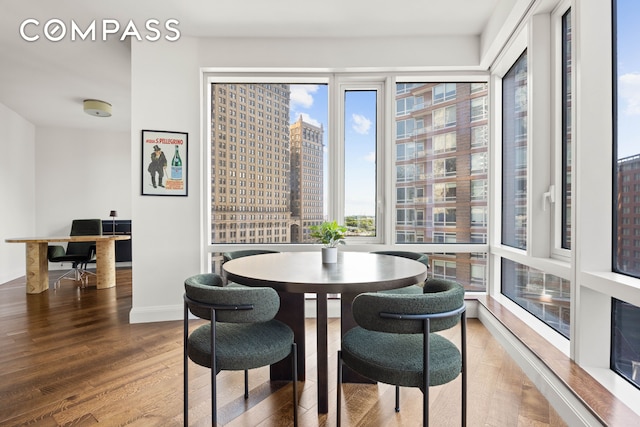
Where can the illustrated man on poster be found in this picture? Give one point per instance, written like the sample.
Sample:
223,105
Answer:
158,165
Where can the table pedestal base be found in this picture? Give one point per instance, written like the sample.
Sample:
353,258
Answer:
37,268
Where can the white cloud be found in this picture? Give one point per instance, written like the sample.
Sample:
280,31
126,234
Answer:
361,124
629,90
370,157
302,96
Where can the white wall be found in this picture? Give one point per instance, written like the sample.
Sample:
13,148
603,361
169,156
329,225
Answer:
167,241
80,174
343,54
17,190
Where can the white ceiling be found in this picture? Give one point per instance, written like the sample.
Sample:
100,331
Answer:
45,82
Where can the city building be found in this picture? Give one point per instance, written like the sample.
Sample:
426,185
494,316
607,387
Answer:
306,178
250,163
441,170
628,218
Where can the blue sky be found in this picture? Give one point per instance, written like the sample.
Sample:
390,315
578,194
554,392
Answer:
310,101
628,35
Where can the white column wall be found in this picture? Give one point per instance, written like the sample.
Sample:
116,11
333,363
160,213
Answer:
17,190
167,243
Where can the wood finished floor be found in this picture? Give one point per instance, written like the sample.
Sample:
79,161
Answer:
70,357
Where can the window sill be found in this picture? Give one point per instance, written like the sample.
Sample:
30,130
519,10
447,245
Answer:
591,394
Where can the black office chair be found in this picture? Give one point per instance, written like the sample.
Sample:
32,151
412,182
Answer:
77,253
395,341
242,333
416,256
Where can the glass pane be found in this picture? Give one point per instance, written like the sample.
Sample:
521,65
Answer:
267,162
468,269
625,351
514,154
566,130
440,169
544,295
627,173
360,136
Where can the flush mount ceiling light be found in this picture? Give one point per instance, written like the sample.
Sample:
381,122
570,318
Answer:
97,108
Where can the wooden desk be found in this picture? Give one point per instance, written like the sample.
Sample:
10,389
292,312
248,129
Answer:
38,265
293,274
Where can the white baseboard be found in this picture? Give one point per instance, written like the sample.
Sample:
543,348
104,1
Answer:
156,314
568,406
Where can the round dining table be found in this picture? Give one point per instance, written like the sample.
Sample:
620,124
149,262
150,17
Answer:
294,274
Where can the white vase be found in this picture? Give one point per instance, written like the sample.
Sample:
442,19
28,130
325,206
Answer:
329,255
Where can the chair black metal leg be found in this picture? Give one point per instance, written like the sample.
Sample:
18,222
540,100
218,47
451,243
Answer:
425,372
294,376
397,398
246,384
463,336
185,391
214,371
339,388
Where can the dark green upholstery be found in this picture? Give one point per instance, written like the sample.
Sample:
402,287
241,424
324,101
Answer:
241,346
439,296
416,256
207,288
246,334
397,360
77,253
245,252
388,345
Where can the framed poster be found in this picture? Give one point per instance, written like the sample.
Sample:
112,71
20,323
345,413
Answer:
164,163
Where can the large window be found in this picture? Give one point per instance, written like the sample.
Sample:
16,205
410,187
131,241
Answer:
360,142
279,166
544,295
625,351
267,161
566,130
450,149
625,339
514,149
627,168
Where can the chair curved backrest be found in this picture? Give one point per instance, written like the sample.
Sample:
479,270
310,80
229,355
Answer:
227,256
416,256
440,296
208,289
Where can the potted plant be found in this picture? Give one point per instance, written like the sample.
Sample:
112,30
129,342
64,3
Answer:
330,234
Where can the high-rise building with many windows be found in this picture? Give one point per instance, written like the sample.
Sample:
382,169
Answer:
306,179
628,215
250,191
441,172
